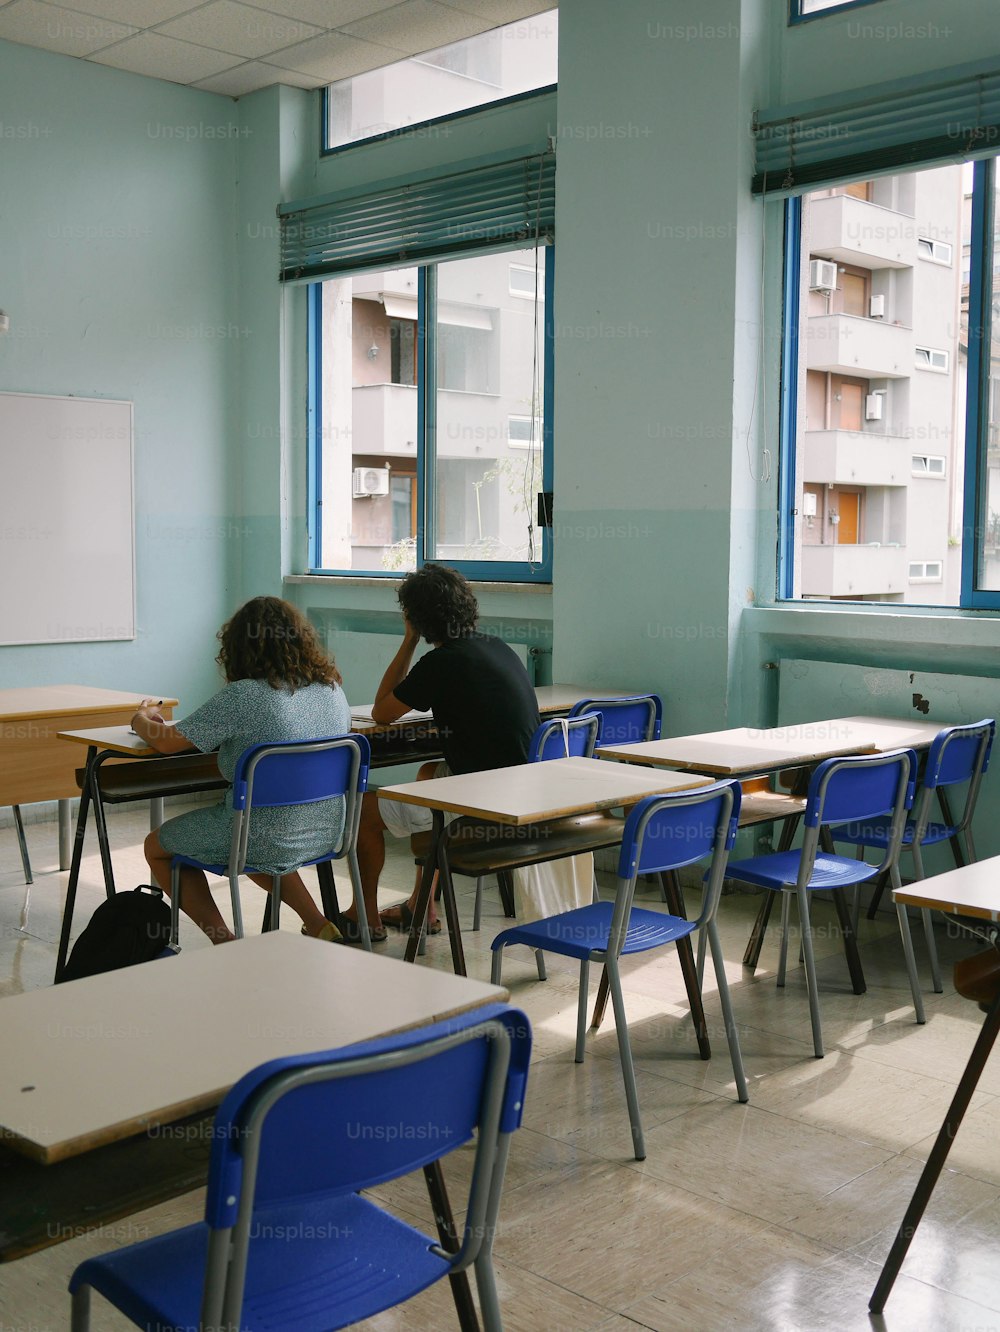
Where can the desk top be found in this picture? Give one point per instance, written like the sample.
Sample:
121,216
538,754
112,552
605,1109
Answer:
536,792
552,700
119,739
96,1060
971,890
53,700
747,749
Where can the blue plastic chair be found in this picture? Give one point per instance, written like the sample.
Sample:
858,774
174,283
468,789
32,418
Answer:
287,1240
841,790
958,756
626,721
661,834
293,772
566,737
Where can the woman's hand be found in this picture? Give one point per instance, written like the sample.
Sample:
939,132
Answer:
148,711
150,725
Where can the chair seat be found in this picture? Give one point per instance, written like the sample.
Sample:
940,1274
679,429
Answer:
223,870
307,1269
584,931
477,848
781,870
875,832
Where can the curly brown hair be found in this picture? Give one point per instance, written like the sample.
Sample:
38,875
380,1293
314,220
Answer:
439,603
268,639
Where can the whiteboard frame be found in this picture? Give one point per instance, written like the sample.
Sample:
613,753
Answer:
16,640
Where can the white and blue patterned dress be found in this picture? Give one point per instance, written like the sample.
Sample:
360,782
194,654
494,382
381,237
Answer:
249,712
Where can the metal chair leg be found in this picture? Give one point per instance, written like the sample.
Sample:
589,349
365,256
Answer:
810,963
477,914
625,1054
732,1034
540,964
911,965
786,903
581,1010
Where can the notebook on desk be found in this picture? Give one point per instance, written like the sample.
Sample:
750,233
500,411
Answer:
363,713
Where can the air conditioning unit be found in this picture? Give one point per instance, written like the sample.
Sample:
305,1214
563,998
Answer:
822,275
876,307
873,406
370,481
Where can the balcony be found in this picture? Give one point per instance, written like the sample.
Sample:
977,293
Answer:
856,458
853,571
852,231
385,420
851,345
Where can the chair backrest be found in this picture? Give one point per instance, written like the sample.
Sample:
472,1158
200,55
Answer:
855,788
627,721
958,754
565,737
667,832
340,1121
300,772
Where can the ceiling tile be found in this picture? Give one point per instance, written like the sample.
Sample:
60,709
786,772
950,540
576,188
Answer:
165,58
53,28
225,25
137,13
251,76
333,56
501,11
323,13
415,26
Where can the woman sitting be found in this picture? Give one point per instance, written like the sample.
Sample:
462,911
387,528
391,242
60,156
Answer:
280,685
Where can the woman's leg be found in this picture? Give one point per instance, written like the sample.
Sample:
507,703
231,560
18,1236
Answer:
196,896
296,895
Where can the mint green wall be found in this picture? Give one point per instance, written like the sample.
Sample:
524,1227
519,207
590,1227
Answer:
117,220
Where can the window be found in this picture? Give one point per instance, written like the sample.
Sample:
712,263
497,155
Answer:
939,252
804,9
925,571
927,464
412,95
432,388
875,407
521,281
931,358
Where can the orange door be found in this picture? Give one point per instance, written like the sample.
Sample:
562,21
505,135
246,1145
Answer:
859,189
854,294
852,401
849,508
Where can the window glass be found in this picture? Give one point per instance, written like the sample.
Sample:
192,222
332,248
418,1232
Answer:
870,420
481,465
516,58
988,555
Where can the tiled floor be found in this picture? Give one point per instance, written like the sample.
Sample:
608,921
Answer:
772,1215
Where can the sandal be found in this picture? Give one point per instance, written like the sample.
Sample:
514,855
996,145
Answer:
404,921
351,932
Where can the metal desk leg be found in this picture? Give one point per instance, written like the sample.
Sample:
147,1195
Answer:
328,890
22,844
65,833
939,1154
451,909
850,941
74,871
448,1235
428,876
156,813
93,781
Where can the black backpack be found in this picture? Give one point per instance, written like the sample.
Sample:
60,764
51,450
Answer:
128,928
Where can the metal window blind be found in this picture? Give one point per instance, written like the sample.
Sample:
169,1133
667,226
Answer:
420,220
948,115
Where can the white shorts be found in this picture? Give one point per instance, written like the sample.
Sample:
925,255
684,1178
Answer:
405,820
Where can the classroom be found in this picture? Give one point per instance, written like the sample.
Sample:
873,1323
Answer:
142,254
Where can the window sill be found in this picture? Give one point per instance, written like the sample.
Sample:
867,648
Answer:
363,580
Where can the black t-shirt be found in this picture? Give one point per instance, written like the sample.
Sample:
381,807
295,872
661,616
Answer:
483,703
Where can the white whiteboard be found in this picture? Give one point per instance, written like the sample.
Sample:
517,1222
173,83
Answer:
67,528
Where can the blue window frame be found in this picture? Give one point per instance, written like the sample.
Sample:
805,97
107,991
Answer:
414,376
799,11
860,406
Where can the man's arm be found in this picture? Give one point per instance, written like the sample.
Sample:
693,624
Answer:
163,736
387,707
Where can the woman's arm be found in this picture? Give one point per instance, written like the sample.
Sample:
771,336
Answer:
163,736
387,707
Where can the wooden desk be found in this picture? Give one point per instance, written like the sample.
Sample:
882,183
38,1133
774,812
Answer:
101,1059
527,794
747,751
972,890
33,763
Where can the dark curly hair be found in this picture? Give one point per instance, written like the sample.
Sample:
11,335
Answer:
268,639
439,603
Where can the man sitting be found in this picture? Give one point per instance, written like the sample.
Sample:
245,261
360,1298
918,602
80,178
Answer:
483,704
